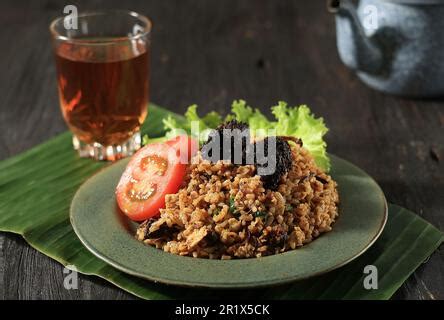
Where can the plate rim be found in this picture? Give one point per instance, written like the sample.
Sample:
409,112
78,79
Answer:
240,285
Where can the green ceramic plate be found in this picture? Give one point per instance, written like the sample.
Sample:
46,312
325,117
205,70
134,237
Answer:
109,235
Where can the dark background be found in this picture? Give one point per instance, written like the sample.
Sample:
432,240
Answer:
209,53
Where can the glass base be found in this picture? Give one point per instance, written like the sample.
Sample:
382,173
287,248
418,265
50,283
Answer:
113,152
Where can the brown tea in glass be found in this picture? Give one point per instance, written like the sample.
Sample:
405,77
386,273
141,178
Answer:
103,81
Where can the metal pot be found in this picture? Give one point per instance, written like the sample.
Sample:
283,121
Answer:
396,46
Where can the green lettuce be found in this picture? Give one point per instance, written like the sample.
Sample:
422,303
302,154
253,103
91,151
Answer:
289,121
205,124
300,122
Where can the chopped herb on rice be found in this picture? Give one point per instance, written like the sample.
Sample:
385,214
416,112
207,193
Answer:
303,206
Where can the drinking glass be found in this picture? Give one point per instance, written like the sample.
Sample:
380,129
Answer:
103,80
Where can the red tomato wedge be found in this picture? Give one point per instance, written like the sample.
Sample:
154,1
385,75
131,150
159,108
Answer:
154,171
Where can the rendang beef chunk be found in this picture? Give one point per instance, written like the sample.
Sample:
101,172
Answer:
232,134
267,151
271,155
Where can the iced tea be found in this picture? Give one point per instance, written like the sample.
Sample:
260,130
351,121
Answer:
102,101
103,71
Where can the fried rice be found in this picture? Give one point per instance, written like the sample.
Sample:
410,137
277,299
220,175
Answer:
223,210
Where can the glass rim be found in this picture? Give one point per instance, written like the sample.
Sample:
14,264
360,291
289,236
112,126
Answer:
146,29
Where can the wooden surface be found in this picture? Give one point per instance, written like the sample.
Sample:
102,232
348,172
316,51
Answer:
211,52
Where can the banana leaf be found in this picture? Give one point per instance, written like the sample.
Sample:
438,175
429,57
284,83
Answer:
36,188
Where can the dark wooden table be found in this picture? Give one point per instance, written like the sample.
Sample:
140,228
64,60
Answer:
211,52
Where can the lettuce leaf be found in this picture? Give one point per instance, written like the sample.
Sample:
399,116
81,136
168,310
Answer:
300,122
255,119
289,121
175,127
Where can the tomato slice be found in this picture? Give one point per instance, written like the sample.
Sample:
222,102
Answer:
154,171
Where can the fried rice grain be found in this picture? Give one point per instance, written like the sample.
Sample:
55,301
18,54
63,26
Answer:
223,211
